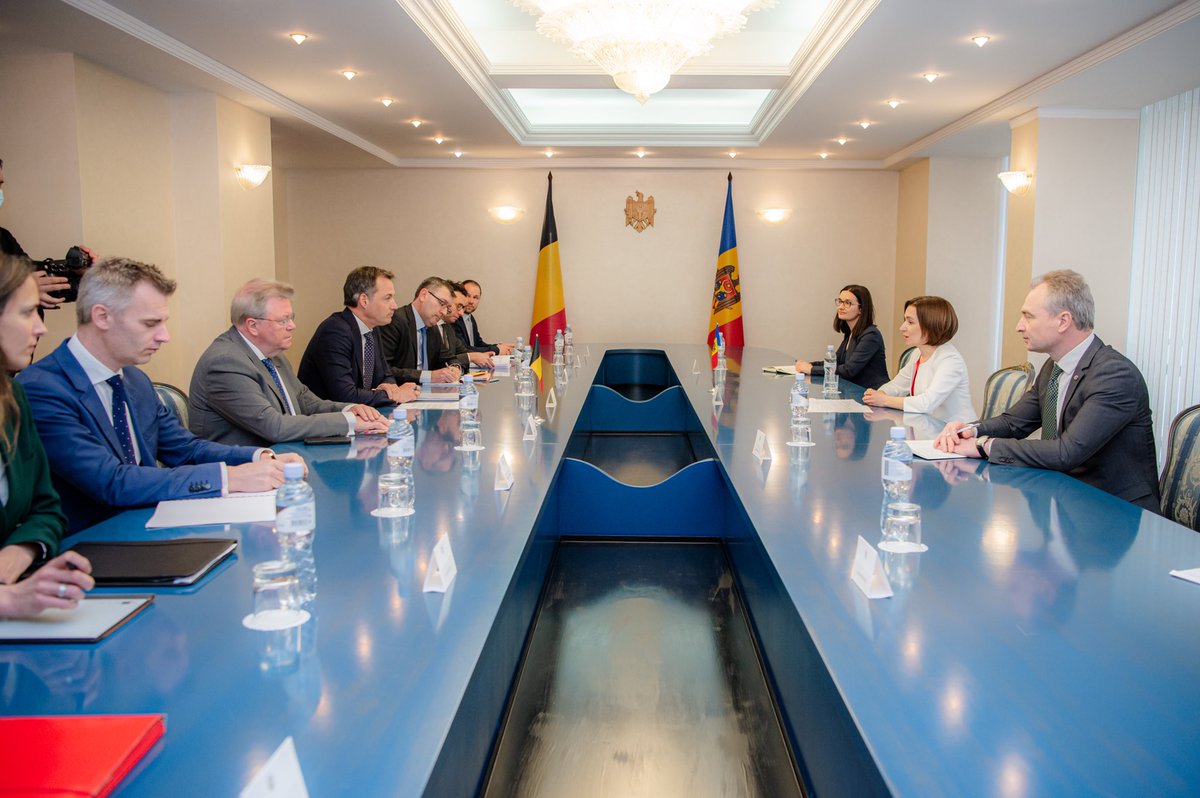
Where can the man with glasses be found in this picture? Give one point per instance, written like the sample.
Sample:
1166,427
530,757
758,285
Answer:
344,359
412,344
245,391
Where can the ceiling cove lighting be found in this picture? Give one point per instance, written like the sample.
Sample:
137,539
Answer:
506,214
640,43
774,215
981,39
1016,182
298,38
252,175
931,76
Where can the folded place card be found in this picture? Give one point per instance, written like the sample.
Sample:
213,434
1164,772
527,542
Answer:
551,400
441,567
279,777
530,430
867,572
695,366
504,477
1190,575
762,450
578,362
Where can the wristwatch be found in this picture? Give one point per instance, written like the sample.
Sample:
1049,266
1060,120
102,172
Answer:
979,442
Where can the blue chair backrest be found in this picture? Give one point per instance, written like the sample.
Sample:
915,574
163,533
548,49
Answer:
1180,483
1004,388
905,356
174,400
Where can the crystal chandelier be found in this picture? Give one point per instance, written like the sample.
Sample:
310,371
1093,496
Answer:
640,43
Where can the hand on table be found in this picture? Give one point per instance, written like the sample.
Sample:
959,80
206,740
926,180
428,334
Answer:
60,583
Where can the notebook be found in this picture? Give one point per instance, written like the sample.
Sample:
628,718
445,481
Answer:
158,563
94,618
73,754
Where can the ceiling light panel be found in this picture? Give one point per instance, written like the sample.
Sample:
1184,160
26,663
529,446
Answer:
614,108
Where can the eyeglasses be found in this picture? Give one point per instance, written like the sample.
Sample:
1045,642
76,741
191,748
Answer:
844,303
284,322
444,303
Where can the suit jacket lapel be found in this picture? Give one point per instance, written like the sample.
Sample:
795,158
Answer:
78,379
1080,372
356,337
235,338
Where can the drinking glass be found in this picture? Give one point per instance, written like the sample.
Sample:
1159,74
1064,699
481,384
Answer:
801,434
902,528
397,494
276,596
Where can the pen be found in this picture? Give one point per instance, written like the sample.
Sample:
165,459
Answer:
965,427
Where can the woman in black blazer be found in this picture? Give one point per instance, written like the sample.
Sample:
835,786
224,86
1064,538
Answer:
861,358
31,518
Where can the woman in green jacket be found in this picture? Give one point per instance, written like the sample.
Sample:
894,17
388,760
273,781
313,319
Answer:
31,519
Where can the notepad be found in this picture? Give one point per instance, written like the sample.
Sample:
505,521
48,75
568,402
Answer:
157,563
74,754
94,618
780,370
238,508
926,451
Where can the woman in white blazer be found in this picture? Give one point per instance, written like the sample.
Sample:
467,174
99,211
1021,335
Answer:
934,382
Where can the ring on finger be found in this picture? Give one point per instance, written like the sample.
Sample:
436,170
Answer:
62,590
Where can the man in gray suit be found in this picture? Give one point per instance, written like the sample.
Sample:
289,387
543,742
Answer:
1089,402
245,391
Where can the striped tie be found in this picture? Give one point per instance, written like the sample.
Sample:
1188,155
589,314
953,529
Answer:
1050,406
279,384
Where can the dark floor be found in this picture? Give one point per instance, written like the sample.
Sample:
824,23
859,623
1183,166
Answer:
641,680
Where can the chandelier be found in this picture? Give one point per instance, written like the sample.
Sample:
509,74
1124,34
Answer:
640,43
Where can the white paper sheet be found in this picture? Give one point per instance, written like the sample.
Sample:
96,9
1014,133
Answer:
926,451
431,404
239,508
90,620
836,406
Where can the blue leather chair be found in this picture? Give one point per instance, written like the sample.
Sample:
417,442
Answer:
174,400
1180,484
1004,388
905,356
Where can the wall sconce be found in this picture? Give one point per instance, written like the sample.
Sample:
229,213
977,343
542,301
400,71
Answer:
1016,182
774,215
252,175
506,214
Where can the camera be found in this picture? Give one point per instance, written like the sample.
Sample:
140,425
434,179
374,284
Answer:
72,267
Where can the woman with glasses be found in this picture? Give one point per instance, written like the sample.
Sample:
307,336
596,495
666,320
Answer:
31,518
860,358
934,382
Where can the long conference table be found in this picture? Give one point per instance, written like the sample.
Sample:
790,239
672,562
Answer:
1039,646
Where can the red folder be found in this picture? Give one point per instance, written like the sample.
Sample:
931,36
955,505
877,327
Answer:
69,755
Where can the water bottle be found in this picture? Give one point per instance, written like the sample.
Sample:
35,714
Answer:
720,346
568,344
518,351
401,441
527,357
468,402
558,348
295,506
897,467
799,398
830,386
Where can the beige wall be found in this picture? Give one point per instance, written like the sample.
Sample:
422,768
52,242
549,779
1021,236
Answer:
620,286
1018,250
912,240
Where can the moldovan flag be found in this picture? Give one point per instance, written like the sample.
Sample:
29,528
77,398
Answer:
549,310
727,289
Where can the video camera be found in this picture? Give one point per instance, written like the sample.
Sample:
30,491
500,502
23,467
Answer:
72,267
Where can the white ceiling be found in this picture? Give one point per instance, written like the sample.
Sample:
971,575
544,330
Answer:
779,93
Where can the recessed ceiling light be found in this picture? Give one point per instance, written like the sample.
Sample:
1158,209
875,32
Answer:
981,39
733,153
842,140
549,153
893,103
931,76
824,155
864,124
298,38
640,153
349,74
438,139
387,102
458,153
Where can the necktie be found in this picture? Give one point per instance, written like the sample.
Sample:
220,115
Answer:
368,359
1050,406
279,384
421,349
120,422
469,325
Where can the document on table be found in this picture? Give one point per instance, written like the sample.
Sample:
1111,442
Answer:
237,508
926,451
431,404
94,618
780,370
836,406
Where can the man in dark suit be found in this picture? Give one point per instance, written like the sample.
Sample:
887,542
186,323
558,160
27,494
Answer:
1089,402
333,363
449,329
415,324
244,390
101,421
468,329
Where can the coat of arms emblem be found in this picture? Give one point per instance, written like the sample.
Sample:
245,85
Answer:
639,213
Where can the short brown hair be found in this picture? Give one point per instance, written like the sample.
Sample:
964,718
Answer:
433,282
362,281
937,318
111,283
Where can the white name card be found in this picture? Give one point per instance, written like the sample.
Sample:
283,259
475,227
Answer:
279,777
762,449
695,366
530,430
551,399
867,571
504,477
441,568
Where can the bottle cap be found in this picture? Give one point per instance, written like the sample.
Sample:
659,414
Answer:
398,413
468,379
293,470
899,433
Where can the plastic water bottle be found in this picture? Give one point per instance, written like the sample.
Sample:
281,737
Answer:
897,467
295,506
830,386
468,402
558,348
519,350
401,441
568,343
720,346
799,398
527,356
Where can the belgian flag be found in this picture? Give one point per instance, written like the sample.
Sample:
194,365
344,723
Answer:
549,309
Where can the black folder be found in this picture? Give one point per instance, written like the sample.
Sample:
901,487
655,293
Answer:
143,563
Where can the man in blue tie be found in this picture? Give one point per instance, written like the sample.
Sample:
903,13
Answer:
244,391
100,419
1089,402
412,344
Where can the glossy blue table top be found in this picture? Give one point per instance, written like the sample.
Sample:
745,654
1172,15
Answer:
1038,647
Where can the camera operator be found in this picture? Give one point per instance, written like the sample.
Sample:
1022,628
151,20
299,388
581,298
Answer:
53,289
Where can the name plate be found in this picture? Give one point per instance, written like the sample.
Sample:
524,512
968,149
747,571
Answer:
504,476
867,572
279,777
441,568
762,449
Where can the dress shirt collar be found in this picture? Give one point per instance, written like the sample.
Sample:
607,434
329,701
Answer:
362,328
1070,361
95,370
257,352
420,321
